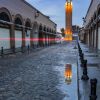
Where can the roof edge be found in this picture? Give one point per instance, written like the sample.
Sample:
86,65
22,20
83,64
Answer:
89,8
37,10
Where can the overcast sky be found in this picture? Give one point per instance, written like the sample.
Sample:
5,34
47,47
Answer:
55,9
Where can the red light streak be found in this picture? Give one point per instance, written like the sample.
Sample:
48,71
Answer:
31,39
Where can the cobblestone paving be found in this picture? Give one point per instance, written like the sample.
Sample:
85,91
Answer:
32,77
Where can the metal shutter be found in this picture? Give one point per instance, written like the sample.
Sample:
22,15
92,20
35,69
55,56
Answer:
4,38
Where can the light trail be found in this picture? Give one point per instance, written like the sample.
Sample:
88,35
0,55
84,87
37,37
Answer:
31,39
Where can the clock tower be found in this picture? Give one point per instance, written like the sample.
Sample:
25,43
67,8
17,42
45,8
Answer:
68,20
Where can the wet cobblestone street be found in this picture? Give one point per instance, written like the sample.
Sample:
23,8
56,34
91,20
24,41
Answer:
36,76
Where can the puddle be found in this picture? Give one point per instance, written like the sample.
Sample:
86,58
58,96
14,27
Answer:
68,81
68,73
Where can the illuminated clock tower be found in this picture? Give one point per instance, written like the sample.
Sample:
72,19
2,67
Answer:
68,19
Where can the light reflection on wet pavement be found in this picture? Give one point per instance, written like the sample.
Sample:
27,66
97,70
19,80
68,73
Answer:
68,88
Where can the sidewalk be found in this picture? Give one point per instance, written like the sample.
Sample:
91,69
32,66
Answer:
93,66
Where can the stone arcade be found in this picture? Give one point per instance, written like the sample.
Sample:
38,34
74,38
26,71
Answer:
21,25
91,31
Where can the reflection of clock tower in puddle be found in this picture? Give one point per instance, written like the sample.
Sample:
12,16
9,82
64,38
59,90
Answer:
68,19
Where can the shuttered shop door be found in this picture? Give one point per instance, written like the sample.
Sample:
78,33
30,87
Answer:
27,39
36,39
47,39
99,38
44,39
18,38
88,38
4,38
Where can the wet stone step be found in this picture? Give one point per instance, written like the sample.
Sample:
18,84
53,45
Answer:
93,65
91,55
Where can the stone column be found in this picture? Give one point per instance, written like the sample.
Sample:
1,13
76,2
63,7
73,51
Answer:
23,37
48,39
12,36
93,36
98,25
31,38
90,36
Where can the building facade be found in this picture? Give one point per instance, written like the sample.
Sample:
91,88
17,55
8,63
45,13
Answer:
23,25
92,25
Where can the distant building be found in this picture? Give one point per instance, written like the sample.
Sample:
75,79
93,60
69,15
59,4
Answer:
59,37
21,25
75,31
81,34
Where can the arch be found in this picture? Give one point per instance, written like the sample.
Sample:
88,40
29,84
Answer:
44,29
28,23
5,15
18,19
48,29
40,27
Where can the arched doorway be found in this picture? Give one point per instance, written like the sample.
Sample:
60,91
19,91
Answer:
47,36
5,19
44,35
18,31
35,34
28,30
41,35
50,36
